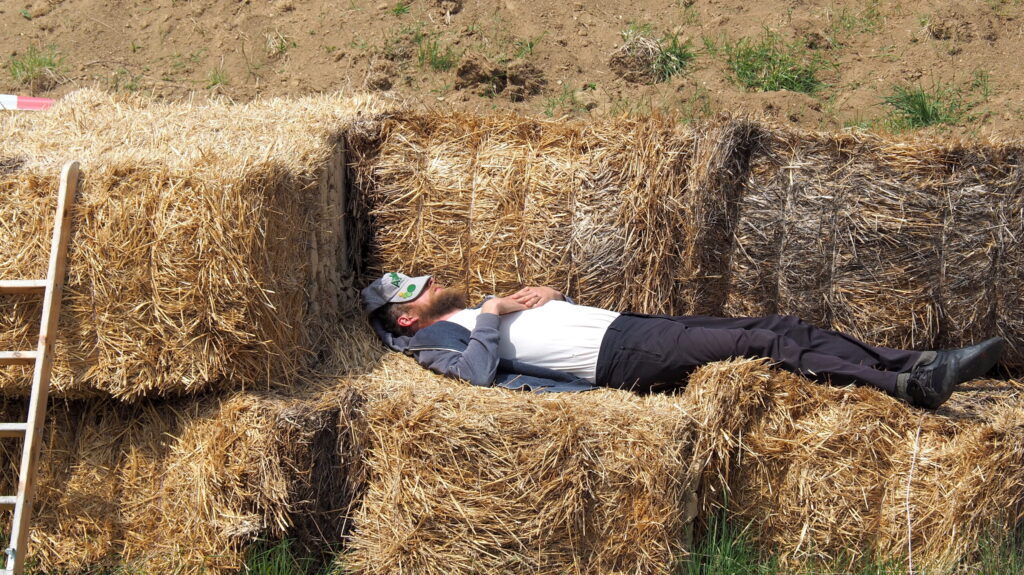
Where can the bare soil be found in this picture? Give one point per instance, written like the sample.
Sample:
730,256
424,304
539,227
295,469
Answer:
538,58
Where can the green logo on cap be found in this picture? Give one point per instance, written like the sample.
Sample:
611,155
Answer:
395,279
408,290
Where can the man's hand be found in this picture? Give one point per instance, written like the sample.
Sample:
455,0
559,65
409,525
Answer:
536,296
502,305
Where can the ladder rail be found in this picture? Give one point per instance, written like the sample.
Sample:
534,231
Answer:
16,552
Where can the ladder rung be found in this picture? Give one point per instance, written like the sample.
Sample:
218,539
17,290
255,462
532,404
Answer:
7,502
13,429
22,286
17,357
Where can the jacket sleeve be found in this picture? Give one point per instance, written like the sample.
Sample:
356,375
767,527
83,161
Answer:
478,364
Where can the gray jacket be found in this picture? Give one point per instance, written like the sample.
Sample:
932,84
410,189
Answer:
449,349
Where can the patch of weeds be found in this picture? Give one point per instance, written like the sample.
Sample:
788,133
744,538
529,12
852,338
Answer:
725,549
1003,554
125,80
695,106
404,44
359,44
630,108
890,53
867,20
37,68
915,107
673,58
278,44
25,13
524,48
217,77
770,64
181,63
400,8
433,53
644,59
564,102
636,29
286,558
691,17
980,84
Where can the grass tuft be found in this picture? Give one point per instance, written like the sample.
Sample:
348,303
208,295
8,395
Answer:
915,107
400,8
37,68
217,77
771,64
278,44
673,58
439,57
264,558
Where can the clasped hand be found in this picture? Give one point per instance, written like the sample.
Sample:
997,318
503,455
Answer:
526,298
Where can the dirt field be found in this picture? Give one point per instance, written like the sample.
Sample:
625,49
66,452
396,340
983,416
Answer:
539,58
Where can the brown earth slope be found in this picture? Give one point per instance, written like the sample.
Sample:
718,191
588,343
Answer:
536,57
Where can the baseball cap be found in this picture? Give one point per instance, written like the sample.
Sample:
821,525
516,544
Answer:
392,287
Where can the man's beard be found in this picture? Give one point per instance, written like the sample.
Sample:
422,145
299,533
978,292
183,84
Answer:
445,302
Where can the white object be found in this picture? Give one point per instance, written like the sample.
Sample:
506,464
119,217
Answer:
12,102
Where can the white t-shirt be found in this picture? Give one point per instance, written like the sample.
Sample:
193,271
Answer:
557,335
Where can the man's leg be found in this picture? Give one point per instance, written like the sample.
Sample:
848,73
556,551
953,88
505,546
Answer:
823,340
642,352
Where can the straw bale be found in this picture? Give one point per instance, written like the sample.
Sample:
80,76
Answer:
903,243
821,474
185,486
605,211
208,248
834,236
472,480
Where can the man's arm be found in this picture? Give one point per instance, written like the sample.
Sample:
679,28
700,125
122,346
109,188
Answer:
478,364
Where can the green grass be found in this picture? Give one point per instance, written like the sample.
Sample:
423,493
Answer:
125,80
867,20
564,102
400,8
672,55
217,77
727,550
278,44
524,48
432,53
914,107
281,558
37,68
770,64
673,58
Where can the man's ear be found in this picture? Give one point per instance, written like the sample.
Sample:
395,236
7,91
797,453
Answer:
406,320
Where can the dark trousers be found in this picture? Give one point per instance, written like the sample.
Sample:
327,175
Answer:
648,352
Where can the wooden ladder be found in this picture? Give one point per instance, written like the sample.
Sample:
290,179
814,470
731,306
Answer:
30,431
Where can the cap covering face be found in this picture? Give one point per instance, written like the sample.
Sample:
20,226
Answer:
392,287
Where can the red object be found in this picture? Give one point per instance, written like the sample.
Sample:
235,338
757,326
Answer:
10,102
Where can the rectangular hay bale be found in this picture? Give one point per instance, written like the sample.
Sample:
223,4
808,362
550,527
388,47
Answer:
208,245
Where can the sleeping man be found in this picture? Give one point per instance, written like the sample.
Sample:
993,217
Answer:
537,339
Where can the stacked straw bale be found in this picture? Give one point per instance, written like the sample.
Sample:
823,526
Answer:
906,244
472,480
611,211
902,243
185,486
468,480
208,249
433,475
824,475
